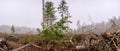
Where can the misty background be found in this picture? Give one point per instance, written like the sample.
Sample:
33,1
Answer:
27,14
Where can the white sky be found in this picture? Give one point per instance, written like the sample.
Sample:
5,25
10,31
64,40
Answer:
29,12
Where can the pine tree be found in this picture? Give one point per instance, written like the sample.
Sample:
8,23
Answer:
63,9
64,13
13,29
49,20
52,28
49,14
38,30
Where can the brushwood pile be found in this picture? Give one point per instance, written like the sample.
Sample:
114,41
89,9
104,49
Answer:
107,41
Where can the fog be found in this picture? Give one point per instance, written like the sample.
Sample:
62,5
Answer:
29,12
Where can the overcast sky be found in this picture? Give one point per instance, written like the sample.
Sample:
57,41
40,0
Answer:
29,12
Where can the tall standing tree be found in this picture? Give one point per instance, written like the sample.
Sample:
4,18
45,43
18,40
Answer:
43,10
63,9
49,17
49,14
64,13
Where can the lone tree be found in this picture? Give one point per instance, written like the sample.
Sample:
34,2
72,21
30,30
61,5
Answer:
49,14
49,20
13,29
63,9
64,13
38,30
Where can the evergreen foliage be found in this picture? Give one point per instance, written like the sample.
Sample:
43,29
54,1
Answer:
13,29
52,28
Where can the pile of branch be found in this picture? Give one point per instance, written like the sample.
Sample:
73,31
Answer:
108,41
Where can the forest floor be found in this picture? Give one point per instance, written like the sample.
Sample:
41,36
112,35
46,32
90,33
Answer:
108,41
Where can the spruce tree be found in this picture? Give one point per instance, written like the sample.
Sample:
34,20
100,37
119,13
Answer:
65,15
49,14
13,29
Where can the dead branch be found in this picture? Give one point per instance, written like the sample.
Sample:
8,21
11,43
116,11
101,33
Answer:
2,49
71,40
21,47
36,46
